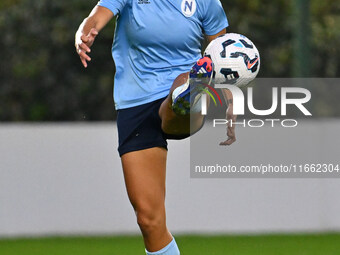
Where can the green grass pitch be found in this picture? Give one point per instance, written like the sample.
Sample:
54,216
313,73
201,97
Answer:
312,244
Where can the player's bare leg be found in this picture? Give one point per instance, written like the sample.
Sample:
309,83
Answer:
144,173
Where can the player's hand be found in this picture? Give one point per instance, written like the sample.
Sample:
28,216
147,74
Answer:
83,44
230,127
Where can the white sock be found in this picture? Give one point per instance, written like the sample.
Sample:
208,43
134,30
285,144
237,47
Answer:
170,249
179,90
197,104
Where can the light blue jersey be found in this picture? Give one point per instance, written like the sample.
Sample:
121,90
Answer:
157,40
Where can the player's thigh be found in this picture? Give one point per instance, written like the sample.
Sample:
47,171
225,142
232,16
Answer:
145,173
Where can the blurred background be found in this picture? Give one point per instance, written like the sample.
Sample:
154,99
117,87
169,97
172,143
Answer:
42,79
60,175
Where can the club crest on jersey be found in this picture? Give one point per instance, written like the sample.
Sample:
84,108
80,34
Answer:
188,7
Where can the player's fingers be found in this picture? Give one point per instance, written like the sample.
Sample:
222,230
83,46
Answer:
83,61
84,47
82,54
230,141
84,38
92,35
93,32
227,142
223,143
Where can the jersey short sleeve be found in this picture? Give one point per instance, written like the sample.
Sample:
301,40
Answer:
116,6
214,17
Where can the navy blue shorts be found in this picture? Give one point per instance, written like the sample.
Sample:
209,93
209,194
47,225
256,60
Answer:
139,128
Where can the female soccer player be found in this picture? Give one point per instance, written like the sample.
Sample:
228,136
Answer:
156,43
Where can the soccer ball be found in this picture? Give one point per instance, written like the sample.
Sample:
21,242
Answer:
236,59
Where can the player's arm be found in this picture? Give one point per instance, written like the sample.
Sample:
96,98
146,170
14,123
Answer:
212,37
89,29
228,97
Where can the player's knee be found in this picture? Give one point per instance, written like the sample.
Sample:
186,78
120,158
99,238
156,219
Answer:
149,219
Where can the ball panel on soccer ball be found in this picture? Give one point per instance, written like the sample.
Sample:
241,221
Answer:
236,59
